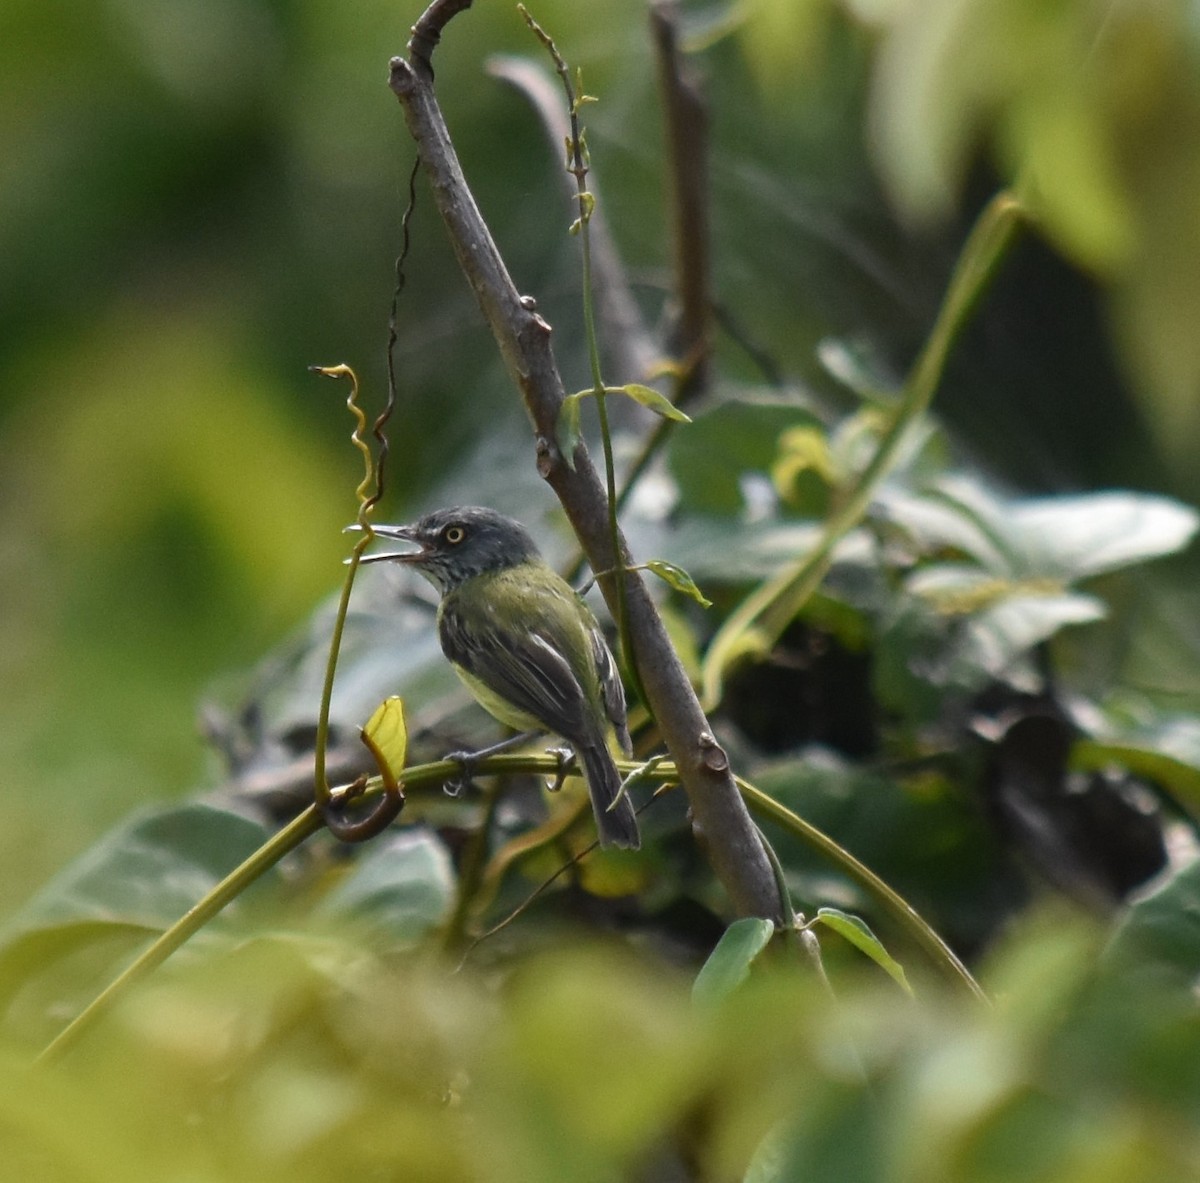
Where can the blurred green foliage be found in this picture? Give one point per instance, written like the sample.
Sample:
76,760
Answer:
200,200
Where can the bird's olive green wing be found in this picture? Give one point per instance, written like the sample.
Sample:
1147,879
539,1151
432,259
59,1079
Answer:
526,670
610,686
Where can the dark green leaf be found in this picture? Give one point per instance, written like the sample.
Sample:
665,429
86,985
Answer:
147,873
710,460
402,888
728,965
855,930
1164,927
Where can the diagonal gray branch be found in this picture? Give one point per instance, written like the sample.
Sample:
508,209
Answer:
719,816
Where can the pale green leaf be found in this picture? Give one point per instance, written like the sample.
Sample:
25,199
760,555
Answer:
651,399
728,965
568,431
678,579
854,929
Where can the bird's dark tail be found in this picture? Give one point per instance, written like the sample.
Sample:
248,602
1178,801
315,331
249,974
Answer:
617,827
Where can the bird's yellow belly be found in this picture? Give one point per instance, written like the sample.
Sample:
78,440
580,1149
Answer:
497,707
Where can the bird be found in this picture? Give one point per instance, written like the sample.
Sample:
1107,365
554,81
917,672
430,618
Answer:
524,643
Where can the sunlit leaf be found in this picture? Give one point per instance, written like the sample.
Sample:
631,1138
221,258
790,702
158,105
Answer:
728,965
804,472
1066,538
1076,537
855,930
678,579
386,734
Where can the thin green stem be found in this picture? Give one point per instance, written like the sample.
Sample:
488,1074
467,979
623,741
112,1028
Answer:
321,785
762,617
293,835
308,823
578,168
367,493
905,915
296,832
470,875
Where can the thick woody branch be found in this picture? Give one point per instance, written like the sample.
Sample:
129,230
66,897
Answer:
719,816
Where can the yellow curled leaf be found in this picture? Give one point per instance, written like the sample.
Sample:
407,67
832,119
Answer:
386,735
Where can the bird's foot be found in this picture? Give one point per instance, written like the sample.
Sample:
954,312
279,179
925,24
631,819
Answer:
453,786
566,762
469,761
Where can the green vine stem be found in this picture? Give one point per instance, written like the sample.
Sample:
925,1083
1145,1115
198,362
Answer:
760,620
366,496
294,834
368,493
577,166
901,911
308,823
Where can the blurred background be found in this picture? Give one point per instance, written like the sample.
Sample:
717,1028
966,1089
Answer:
201,198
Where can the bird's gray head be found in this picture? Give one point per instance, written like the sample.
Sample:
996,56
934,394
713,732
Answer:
459,543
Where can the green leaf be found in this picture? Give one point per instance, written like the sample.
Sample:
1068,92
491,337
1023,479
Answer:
1163,748
133,884
723,446
678,579
855,930
724,550
728,965
804,472
1065,538
567,432
1164,927
856,364
987,632
148,872
651,399
403,888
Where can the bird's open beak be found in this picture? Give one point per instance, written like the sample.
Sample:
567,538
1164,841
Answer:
402,533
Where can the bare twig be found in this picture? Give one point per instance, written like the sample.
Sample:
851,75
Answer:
719,816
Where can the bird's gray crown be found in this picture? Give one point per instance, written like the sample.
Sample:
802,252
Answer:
464,541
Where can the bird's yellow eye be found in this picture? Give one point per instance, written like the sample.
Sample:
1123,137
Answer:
454,535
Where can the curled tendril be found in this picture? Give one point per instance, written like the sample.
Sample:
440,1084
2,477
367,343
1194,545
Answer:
368,493
385,811
330,805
